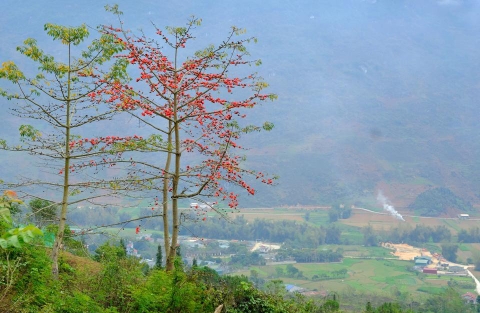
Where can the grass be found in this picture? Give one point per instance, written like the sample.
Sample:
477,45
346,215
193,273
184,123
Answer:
368,252
129,232
260,270
351,237
452,224
351,234
431,290
275,214
319,218
432,247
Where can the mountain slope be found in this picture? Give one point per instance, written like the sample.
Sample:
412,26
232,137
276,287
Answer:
372,94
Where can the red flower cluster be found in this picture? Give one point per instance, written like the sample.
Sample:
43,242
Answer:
195,99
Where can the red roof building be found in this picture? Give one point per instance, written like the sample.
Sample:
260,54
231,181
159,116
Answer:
430,271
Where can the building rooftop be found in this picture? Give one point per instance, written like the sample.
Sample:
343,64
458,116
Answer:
421,261
424,257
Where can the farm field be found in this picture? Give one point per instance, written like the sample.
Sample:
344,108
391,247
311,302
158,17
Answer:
270,214
359,218
359,251
386,278
373,275
362,218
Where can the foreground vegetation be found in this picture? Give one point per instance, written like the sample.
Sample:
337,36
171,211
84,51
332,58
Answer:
113,282
117,283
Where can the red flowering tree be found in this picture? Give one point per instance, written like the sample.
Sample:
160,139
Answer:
199,107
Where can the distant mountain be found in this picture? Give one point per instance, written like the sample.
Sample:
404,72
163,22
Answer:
372,94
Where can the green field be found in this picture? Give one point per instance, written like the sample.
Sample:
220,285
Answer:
452,224
319,217
387,278
371,252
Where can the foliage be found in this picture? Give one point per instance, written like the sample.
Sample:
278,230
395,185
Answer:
369,237
311,255
469,236
10,236
109,252
477,263
339,212
45,211
448,301
7,201
112,286
332,216
419,234
386,308
16,236
170,292
159,258
32,284
247,259
15,208
293,233
449,251
332,235
461,284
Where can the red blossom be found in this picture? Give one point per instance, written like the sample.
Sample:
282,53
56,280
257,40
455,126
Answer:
198,96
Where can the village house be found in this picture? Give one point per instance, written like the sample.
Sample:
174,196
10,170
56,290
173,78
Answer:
469,298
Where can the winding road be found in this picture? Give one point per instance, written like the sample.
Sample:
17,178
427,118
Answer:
439,218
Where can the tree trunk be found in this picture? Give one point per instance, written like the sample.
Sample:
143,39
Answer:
166,180
63,214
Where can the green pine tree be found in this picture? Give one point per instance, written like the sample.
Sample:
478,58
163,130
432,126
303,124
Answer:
159,256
